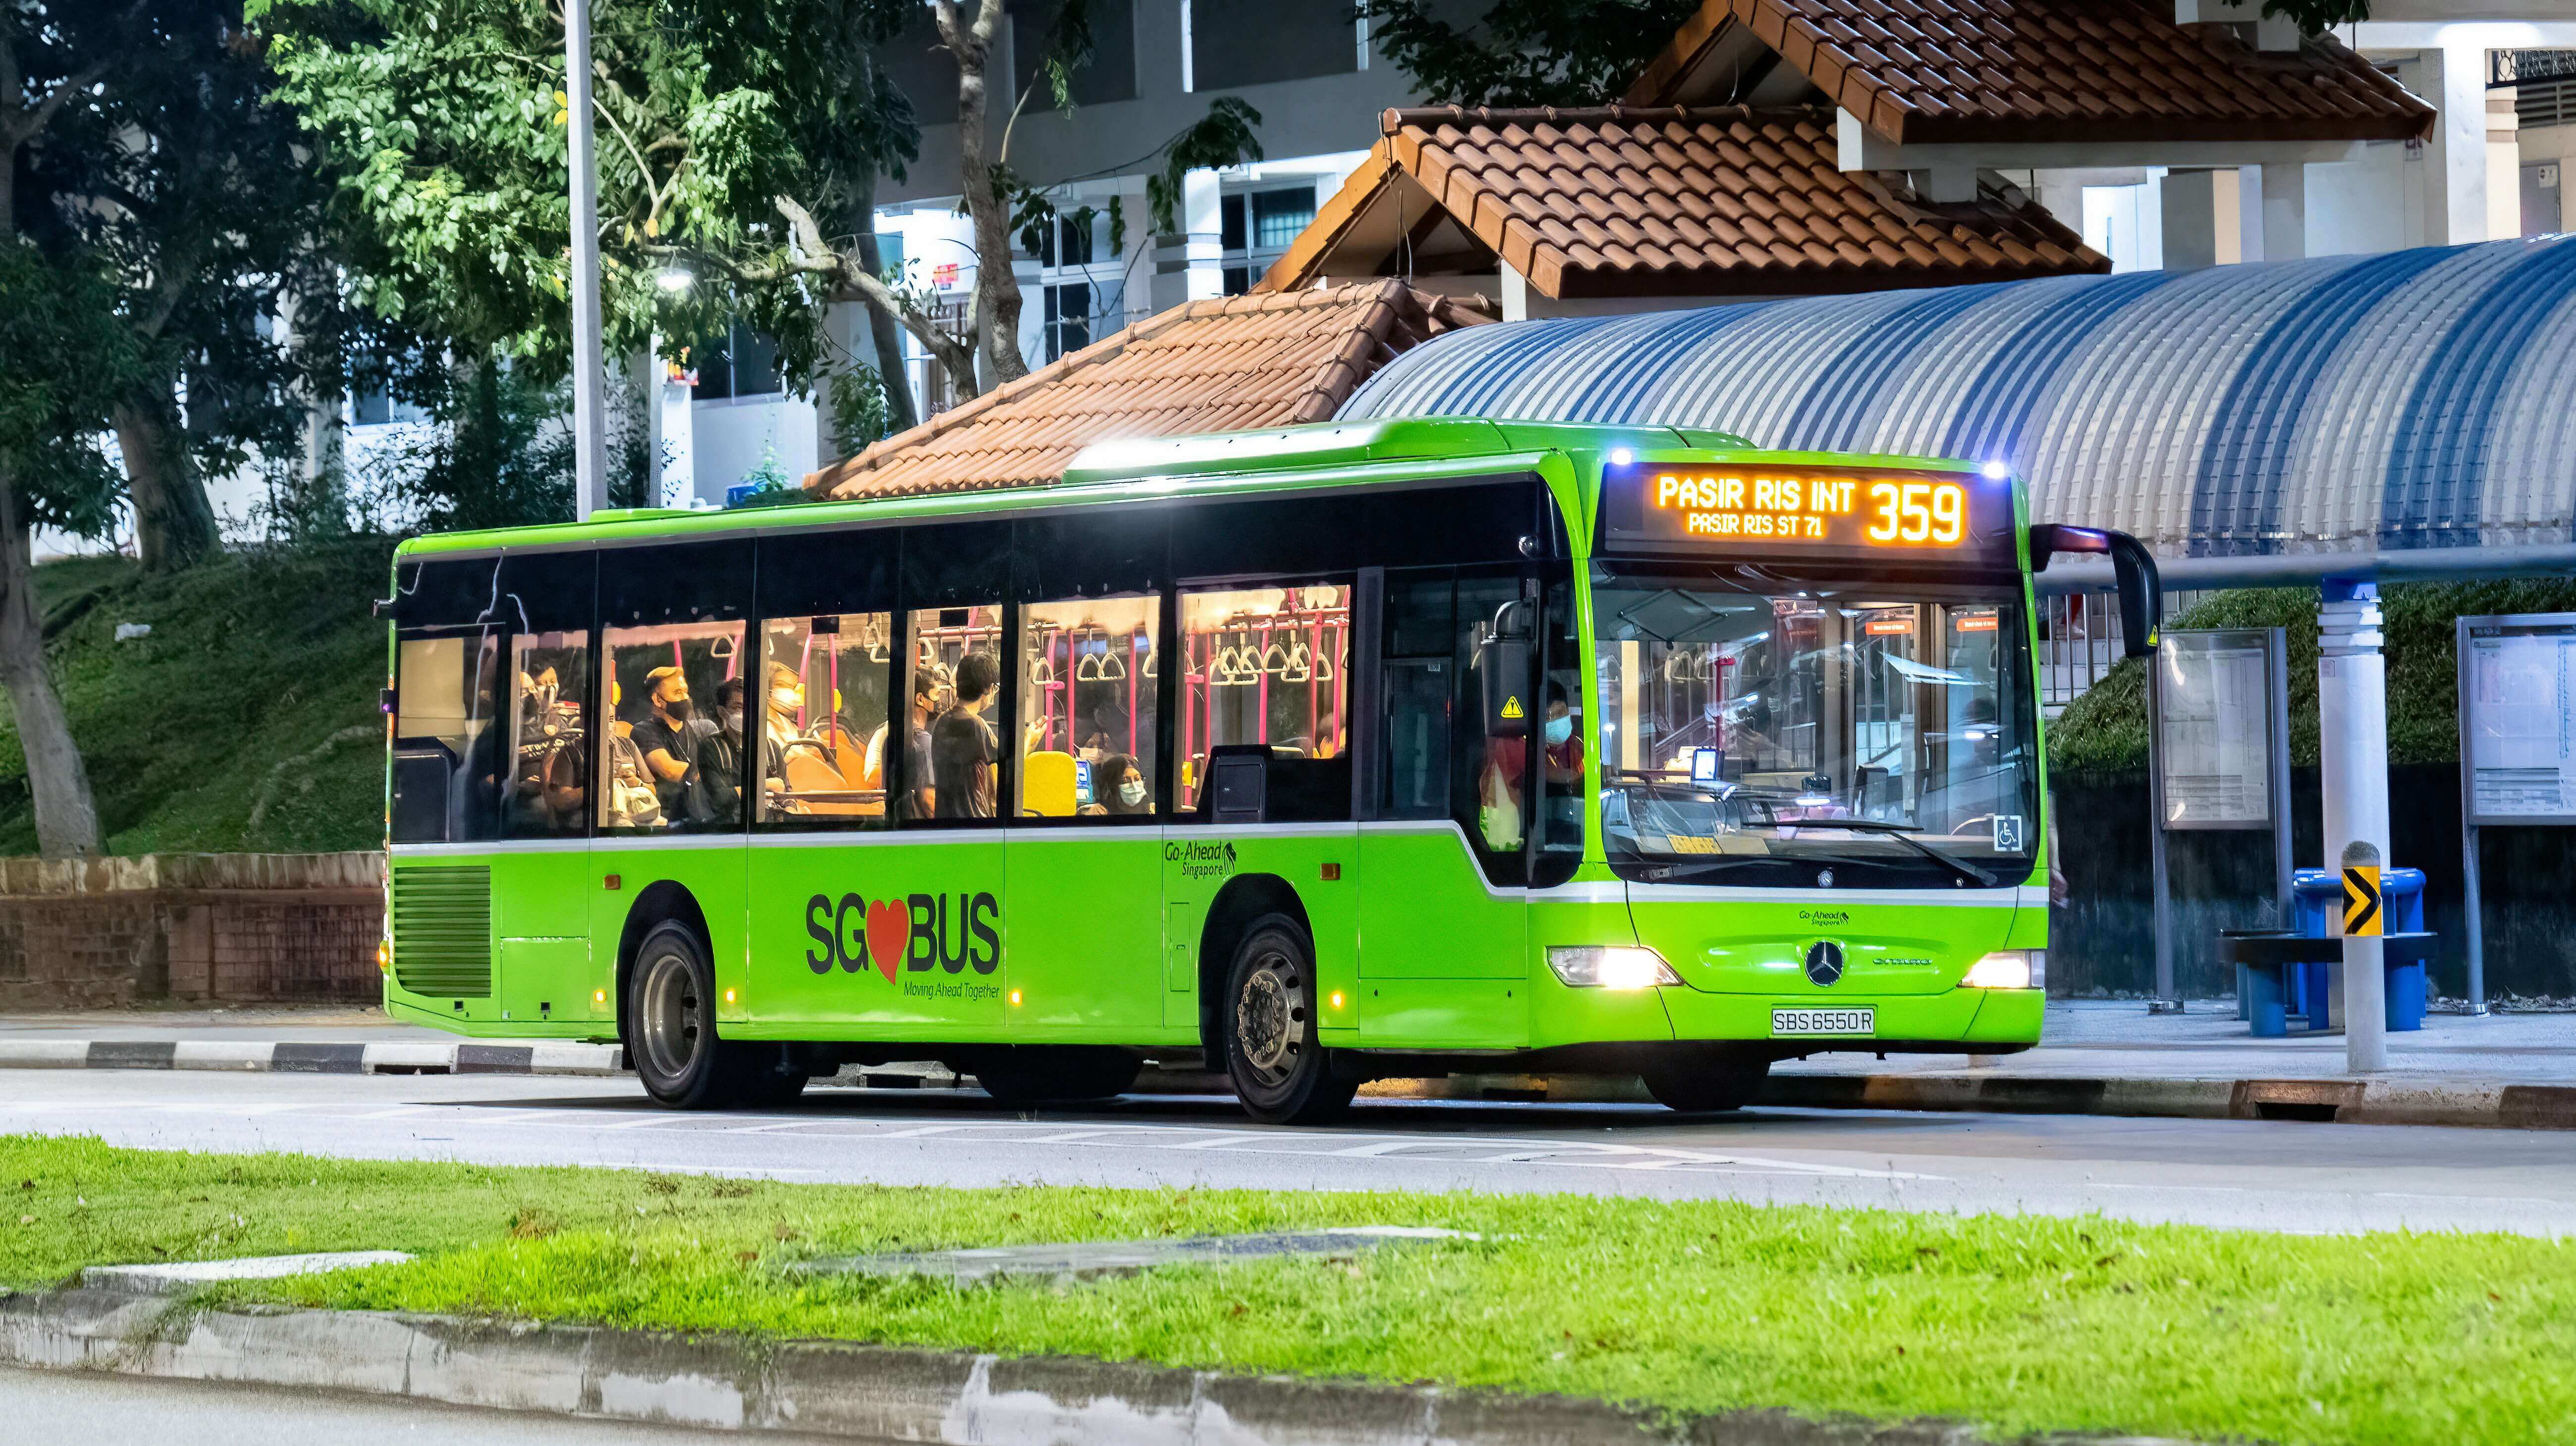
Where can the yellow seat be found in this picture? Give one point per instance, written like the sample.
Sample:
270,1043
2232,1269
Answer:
1046,785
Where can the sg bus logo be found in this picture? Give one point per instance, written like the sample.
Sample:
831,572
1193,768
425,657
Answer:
918,933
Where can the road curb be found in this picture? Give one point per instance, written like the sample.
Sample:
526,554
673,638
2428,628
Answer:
872,1393
2406,1101
313,1057
2417,1100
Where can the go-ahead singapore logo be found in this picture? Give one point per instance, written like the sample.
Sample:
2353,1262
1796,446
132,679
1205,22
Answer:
915,934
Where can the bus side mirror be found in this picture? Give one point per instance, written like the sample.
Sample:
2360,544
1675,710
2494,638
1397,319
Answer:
2133,570
1504,655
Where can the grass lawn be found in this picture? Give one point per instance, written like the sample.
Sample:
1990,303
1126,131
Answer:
2021,1324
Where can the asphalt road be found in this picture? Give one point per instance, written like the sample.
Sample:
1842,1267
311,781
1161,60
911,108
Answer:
2268,1175
67,1406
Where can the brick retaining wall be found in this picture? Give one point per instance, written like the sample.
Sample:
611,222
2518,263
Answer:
239,928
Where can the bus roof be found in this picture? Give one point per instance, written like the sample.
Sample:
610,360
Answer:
1316,454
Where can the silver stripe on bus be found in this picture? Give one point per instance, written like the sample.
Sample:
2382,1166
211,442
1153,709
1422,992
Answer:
2010,896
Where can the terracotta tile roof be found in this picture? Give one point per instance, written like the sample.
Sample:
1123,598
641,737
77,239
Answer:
2090,71
1209,366
1723,201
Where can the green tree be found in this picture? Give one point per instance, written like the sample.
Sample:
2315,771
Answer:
189,181
58,315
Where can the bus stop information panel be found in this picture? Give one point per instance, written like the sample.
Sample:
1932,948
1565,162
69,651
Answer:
1821,512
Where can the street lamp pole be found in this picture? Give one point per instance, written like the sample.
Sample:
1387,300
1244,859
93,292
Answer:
589,400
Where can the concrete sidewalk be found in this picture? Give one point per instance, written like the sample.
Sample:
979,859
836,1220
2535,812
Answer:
2096,1057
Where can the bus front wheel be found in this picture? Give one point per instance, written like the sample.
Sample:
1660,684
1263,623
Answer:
1707,1081
1268,1020
671,1033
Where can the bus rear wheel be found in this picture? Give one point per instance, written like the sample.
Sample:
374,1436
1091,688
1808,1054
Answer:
1707,1081
1036,1074
1267,1019
671,1038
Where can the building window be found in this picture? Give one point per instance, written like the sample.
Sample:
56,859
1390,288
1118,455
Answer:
735,362
1068,318
1256,227
1235,43
1278,216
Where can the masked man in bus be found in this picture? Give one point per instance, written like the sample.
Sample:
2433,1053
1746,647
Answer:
719,782
931,696
962,745
669,744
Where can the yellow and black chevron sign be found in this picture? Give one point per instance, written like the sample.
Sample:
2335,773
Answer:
2362,916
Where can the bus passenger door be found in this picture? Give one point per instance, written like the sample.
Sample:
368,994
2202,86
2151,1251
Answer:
1443,909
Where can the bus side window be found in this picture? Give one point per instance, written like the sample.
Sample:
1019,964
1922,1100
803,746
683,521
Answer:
1087,706
546,794
1493,723
448,763
1266,665
820,722
1418,670
956,653
663,751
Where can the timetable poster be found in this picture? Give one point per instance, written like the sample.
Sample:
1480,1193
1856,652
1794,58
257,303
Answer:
2214,729
2517,686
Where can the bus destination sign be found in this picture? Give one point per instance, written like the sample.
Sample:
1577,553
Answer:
1790,509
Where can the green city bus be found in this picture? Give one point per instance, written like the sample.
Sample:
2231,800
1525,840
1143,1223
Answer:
1314,755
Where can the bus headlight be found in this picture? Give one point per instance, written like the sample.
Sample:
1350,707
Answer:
1613,966
2009,969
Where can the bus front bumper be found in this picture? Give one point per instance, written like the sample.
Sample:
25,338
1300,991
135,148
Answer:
1807,1023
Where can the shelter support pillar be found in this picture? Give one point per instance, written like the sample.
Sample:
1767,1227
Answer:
2352,745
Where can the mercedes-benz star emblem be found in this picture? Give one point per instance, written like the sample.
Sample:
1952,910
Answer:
1824,878
1824,962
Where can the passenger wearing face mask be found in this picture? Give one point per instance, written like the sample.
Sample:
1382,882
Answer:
670,745
1562,755
778,724
719,778
1118,786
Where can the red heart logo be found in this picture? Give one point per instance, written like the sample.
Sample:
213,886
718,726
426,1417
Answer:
889,935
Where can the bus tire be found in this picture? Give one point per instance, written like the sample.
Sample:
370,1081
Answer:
671,1037
1707,1082
1268,1019
1037,1074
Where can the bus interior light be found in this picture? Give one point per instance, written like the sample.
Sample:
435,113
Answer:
1614,966
1994,471
2009,969
1621,456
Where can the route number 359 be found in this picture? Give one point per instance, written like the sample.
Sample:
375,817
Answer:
1918,512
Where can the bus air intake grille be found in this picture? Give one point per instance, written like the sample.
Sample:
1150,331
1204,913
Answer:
443,931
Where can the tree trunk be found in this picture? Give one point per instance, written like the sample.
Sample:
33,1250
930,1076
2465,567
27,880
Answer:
997,290
883,329
66,820
174,525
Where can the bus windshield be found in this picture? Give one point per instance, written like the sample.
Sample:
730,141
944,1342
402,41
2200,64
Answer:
1762,732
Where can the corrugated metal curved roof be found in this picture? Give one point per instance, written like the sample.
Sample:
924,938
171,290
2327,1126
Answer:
2408,399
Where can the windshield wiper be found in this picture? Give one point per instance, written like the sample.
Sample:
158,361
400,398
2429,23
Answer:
1692,873
1904,833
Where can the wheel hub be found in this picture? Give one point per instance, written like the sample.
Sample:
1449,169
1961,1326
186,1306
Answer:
672,1018
1270,1020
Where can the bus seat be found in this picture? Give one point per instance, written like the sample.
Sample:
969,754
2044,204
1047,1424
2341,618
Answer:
806,770
1046,785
